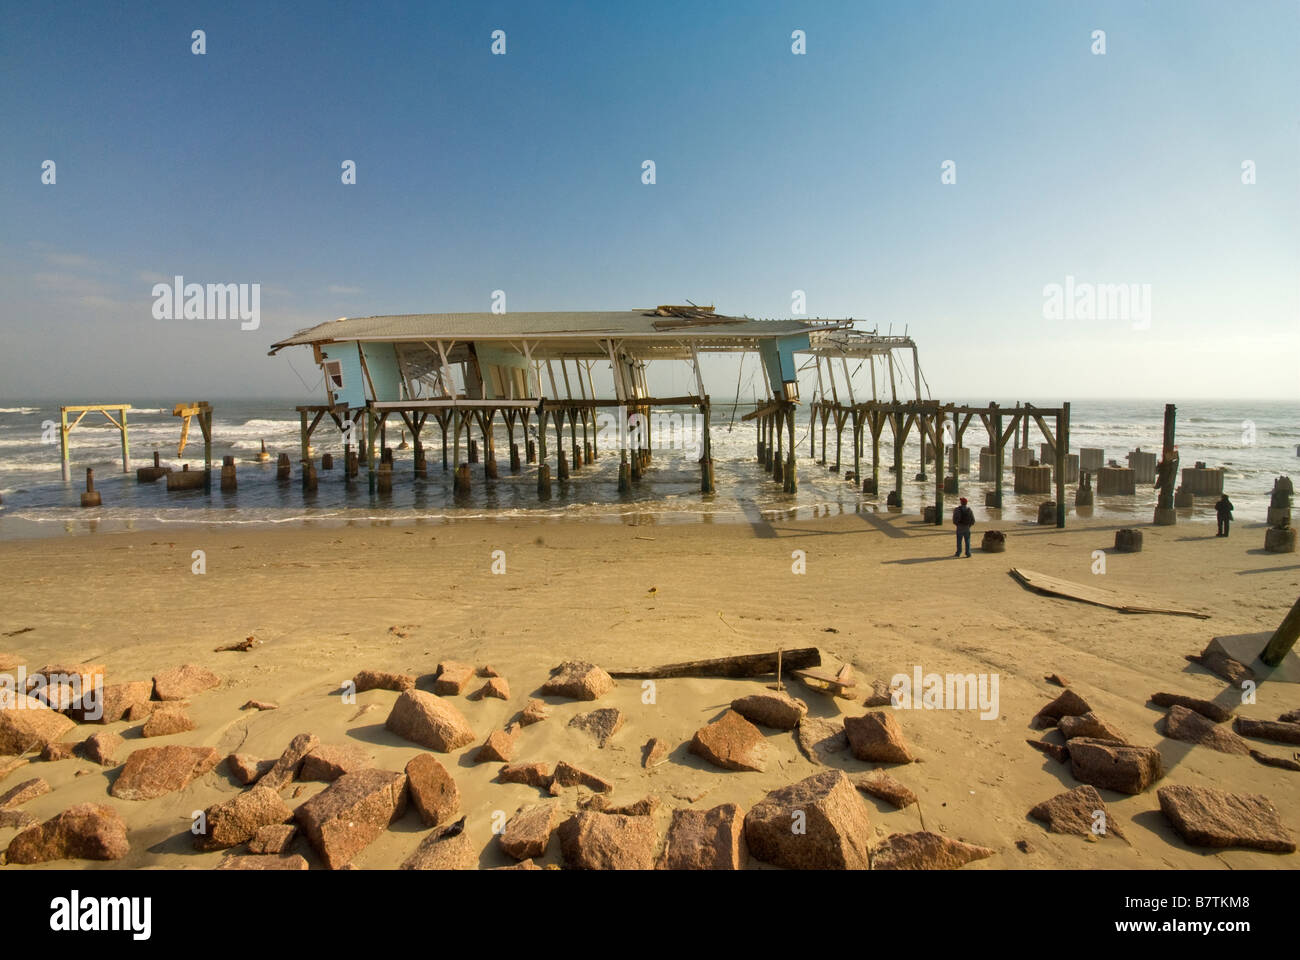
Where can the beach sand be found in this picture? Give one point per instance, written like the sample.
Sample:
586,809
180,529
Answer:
881,592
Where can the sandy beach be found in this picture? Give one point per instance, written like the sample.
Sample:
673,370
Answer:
881,593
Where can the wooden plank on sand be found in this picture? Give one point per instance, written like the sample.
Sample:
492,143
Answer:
746,665
1056,587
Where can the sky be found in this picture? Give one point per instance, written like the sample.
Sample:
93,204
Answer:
774,172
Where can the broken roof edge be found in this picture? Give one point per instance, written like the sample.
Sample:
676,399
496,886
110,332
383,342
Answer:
329,332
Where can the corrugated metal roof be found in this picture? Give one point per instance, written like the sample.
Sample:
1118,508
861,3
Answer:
489,326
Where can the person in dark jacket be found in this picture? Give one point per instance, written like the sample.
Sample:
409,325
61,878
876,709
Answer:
963,518
1224,509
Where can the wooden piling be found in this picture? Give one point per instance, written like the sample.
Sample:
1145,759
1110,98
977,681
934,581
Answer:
229,482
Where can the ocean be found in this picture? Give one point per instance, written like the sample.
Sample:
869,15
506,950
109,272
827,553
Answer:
1254,441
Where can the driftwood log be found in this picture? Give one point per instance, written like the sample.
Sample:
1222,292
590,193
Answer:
746,665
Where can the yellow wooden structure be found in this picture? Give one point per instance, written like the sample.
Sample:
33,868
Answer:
66,428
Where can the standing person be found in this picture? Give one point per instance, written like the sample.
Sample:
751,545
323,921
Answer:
963,518
1224,509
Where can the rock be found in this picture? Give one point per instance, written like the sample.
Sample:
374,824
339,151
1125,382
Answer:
25,791
330,761
344,818
528,833
260,705
273,838
1068,704
284,770
184,681
155,771
819,737
452,678
1054,750
1073,812
487,670
246,862
521,865
601,724
429,721
16,819
236,820
495,688
705,839
499,747
1057,680
567,775
645,807
1269,761
1088,725
1190,727
247,769
25,722
880,696
448,848
591,840
102,747
167,721
534,712
533,774
1278,731
834,820
925,851
86,676
1024,846
654,752
1291,716
578,680
772,708
1214,818
432,790
1205,708
1114,766
882,785
877,737
383,680
59,751
1222,665
88,831
732,743
141,711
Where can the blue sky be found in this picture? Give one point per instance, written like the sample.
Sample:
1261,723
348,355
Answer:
775,173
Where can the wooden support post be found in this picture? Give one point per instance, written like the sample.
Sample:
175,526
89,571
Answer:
706,454
791,481
999,448
63,445
778,461
857,448
1062,445
877,425
370,449
305,443
1283,639
938,478
839,439
126,446
897,421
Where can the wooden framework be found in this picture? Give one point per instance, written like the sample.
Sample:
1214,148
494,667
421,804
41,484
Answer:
1002,424
203,411
66,428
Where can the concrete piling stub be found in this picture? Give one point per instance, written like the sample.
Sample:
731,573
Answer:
91,497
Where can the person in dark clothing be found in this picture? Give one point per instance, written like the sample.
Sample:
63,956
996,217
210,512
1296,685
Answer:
1224,509
963,518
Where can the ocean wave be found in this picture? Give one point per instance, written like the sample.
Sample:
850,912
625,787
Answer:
22,410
